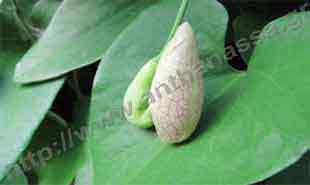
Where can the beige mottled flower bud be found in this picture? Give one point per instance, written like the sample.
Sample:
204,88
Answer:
177,88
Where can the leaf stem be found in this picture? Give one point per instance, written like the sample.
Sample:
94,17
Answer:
21,23
55,117
179,18
177,22
75,85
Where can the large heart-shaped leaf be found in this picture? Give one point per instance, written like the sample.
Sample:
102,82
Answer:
78,35
254,124
123,156
22,107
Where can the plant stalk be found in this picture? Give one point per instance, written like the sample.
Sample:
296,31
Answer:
75,85
55,117
21,23
179,18
177,22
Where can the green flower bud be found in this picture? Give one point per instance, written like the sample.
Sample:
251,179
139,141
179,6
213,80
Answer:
136,99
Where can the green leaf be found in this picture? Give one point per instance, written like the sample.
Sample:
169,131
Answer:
22,107
61,170
78,35
15,177
85,174
254,124
43,12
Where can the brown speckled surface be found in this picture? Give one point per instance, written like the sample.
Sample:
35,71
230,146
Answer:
177,108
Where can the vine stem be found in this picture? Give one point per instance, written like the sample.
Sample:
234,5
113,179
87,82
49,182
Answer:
177,22
75,85
55,117
179,18
21,22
